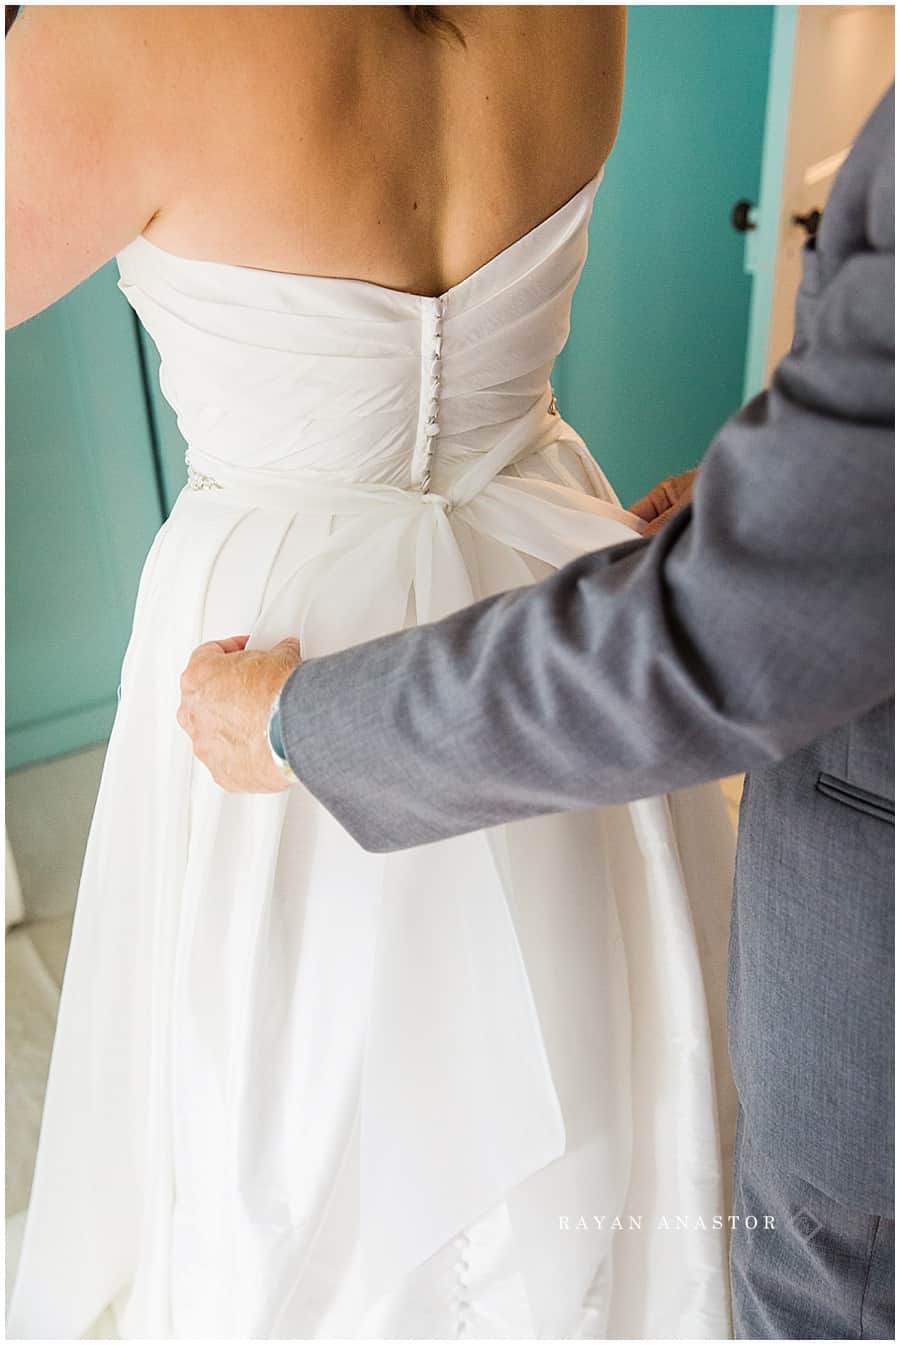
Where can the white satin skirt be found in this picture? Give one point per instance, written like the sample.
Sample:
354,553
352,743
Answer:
477,1089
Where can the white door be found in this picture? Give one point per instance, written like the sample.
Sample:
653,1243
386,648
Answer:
831,64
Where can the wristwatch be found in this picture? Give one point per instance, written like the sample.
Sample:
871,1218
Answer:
276,742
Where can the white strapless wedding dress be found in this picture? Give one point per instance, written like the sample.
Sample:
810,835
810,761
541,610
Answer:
299,1090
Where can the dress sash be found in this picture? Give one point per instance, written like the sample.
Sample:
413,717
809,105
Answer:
453,1115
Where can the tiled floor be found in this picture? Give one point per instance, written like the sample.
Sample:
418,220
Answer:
48,813
35,956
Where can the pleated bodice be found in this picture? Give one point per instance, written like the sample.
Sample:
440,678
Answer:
283,372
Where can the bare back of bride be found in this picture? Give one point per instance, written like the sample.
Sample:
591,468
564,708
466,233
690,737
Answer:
300,1090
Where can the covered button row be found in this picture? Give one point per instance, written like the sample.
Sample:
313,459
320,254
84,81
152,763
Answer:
434,382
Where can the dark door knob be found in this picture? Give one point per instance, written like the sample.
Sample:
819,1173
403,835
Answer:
808,222
740,216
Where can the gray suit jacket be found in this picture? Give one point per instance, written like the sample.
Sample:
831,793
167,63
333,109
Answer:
754,633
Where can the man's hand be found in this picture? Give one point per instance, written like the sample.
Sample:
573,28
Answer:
226,695
665,501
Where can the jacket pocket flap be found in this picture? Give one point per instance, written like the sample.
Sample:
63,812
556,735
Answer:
842,791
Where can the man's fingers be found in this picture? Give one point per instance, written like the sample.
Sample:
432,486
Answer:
235,644
289,652
644,509
659,502
213,648
224,702
652,504
660,521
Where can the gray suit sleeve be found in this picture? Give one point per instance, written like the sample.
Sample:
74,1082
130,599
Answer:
759,619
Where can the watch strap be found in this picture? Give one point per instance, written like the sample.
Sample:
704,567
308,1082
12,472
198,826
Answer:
276,741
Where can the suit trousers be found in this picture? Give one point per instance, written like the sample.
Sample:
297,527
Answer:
804,1267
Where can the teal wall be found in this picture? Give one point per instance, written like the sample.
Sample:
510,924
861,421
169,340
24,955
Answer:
82,507
655,362
169,446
